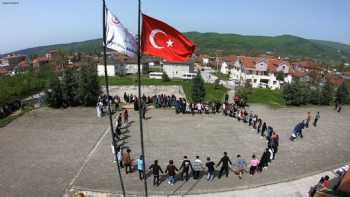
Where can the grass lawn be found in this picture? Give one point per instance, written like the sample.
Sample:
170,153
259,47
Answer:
212,93
266,96
9,119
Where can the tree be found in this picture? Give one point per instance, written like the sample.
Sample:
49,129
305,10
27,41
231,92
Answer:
280,76
70,88
315,96
296,93
54,93
89,88
327,92
198,89
165,77
342,93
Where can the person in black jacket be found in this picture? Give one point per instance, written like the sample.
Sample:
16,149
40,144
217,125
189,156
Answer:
155,171
185,166
225,160
263,129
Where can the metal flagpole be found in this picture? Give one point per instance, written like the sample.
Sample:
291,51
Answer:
107,91
141,108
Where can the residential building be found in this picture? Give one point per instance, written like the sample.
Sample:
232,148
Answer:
257,71
176,70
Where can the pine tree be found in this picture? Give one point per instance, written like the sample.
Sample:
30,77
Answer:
165,77
54,93
342,93
93,87
70,88
198,89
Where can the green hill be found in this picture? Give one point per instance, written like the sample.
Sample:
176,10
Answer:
223,44
285,45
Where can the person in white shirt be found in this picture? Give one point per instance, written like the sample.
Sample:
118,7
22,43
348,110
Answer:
197,167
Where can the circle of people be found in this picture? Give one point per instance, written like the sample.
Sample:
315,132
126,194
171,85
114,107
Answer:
196,167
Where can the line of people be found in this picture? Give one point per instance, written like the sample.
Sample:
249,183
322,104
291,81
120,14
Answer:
182,106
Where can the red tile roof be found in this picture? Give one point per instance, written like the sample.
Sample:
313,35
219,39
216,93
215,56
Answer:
247,62
40,59
335,80
3,71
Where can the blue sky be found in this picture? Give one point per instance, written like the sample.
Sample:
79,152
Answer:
33,23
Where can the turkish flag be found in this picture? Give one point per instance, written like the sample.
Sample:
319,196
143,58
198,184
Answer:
160,39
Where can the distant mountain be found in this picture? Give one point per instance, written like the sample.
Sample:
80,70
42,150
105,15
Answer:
223,44
88,46
284,45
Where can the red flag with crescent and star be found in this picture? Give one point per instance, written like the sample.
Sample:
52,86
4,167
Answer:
161,40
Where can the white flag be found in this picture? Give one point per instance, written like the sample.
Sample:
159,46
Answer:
118,38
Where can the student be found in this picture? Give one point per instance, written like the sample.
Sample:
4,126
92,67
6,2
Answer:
210,165
120,157
263,129
155,171
308,119
264,160
171,171
185,166
326,183
196,167
127,161
140,169
259,125
225,160
241,165
317,117
126,116
253,165
255,118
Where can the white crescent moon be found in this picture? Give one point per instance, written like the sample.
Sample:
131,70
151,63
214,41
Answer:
152,35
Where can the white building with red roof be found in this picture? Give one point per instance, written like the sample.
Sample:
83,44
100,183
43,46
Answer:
258,71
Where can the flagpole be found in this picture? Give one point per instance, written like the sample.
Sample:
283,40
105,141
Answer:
139,91
107,91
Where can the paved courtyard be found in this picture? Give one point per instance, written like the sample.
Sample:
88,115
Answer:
51,152
170,136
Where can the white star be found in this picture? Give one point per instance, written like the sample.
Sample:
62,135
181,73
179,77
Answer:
169,43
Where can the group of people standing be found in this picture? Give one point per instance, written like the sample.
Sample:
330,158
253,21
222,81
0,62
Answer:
182,106
298,129
102,104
